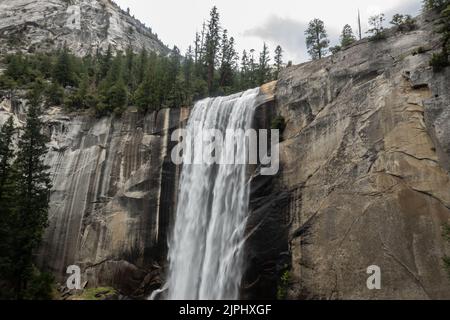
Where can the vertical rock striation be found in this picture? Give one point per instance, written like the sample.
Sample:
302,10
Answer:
365,166
114,190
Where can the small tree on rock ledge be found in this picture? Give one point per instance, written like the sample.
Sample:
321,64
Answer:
317,39
377,29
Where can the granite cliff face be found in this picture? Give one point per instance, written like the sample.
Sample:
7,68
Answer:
365,176
113,197
364,180
83,25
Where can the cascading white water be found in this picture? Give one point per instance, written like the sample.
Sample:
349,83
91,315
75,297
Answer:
205,250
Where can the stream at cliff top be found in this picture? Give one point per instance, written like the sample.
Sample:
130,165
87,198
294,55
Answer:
206,247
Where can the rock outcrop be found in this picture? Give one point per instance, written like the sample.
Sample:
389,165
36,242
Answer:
364,179
83,25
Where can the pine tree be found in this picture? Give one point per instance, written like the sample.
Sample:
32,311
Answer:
7,199
144,96
212,43
141,66
200,69
264,68
18,68
63,72
117,98
278,61
33,190
253,69
6,155
34,95
377,29
228,61
177,95
175,64
316,39
105,63
245,70
188,70
129,75
347,37
197,48
55,94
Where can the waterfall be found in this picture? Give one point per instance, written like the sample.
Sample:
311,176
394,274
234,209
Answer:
206,247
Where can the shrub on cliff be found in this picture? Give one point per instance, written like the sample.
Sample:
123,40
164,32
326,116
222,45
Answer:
278,123
283,285
403,22
439,61
446,259
376,27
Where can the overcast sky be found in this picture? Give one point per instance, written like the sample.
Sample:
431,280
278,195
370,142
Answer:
252,22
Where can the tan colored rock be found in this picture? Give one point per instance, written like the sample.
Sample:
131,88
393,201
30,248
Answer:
365,176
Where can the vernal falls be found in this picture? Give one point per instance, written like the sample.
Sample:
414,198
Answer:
206,246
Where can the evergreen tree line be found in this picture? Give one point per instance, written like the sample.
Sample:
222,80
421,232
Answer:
217,65
318,44
317,40
109,82
24,198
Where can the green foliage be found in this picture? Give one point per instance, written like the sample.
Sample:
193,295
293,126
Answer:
403,22
33,190
317,39
446,232
35,92
283,285
335,49
376,27
446,235
6,154
434,4
347,36
439,61
100,293
63,70
279,123
211,47
278,61
40,286
228,62
7,199
446,261
54,94
24,195
419,50
7,83
18,69
108,82
264,68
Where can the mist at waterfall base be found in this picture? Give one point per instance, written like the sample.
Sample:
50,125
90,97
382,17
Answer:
206,245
